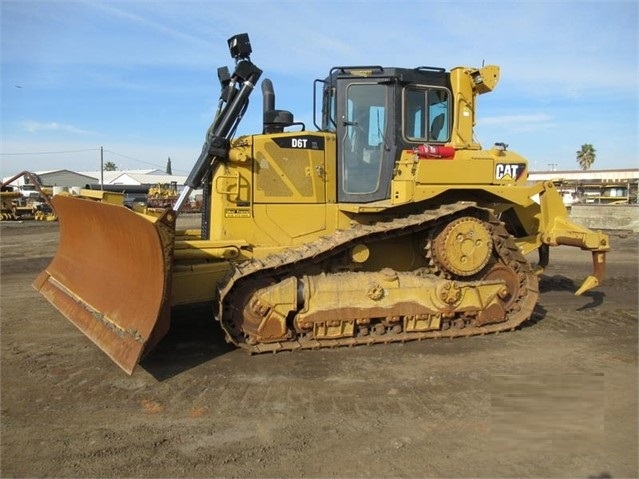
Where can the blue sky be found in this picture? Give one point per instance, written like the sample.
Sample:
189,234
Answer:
140,78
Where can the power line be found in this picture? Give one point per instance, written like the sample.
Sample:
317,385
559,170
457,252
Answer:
136,159
48,152
133,159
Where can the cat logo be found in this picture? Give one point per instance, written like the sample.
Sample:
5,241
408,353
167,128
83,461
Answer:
509,171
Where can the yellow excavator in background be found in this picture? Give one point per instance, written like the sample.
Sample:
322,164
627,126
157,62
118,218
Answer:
389,222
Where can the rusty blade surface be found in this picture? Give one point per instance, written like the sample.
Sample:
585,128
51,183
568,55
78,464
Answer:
110,276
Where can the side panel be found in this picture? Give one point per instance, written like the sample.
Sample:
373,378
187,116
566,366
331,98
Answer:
485,167
274,190
291,224
289,168
455,172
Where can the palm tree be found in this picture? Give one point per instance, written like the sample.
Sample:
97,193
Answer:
586,156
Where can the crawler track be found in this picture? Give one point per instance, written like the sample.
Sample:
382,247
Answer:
251,275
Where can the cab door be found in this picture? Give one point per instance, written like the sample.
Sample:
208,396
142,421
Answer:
365,140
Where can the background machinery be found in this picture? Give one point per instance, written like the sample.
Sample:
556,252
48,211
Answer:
18,203
389,222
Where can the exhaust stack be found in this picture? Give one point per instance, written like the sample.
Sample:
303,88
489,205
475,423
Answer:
274,121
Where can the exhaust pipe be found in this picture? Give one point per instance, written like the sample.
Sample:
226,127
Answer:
273,121
268,95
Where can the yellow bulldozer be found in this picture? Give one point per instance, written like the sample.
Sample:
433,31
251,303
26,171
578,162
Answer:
388,222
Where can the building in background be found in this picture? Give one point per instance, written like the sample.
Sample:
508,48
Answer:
59,178
111,177
593,186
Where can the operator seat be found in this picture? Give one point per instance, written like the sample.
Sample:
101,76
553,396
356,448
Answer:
436,127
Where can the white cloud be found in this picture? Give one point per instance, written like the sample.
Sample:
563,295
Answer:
162,26
516,119
516,123
37,127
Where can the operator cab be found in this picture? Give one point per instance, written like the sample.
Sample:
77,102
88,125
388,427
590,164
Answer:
376,113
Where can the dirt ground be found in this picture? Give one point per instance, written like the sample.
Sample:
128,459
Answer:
556,398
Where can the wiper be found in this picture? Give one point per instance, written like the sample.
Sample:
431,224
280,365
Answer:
381,134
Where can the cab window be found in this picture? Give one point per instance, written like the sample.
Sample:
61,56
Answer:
426,115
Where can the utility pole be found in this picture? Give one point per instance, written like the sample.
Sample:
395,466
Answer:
101,169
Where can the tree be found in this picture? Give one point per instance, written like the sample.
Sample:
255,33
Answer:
586,156
110,166
168,167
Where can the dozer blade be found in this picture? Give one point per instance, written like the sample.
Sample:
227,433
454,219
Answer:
111,275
